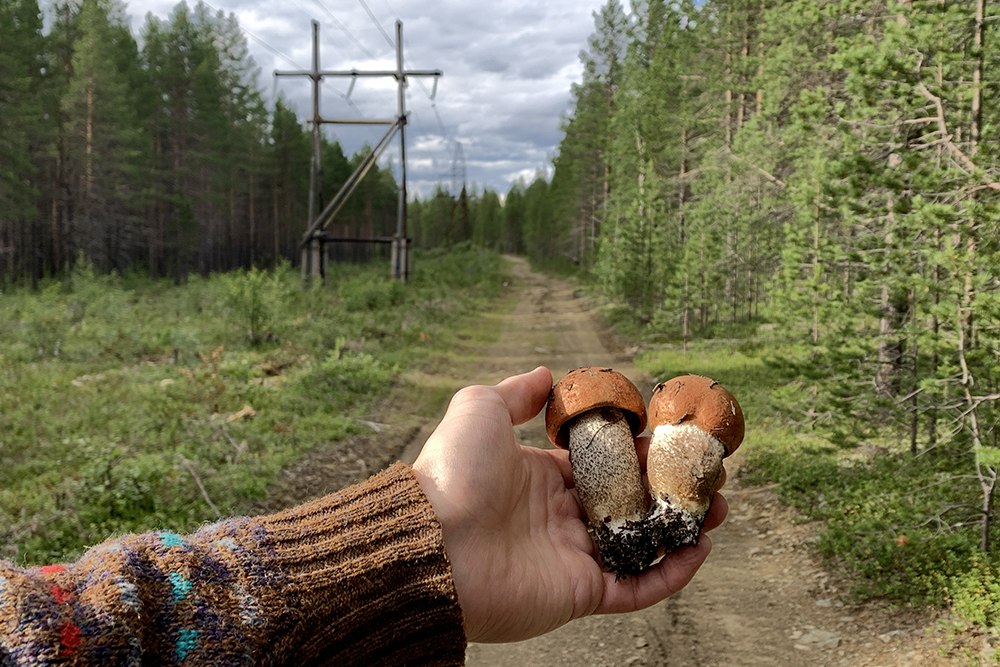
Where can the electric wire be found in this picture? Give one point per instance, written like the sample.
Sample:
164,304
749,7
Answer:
345,30
309,14
437,114
278,53
432,97
377,24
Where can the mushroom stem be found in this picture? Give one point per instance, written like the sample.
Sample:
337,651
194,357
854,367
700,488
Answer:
606,468
684,465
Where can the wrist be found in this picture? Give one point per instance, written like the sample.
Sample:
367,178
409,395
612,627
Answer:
452,521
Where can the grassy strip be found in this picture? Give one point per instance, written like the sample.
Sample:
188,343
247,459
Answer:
129,404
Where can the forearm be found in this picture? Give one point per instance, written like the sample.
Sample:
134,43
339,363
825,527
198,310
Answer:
357,577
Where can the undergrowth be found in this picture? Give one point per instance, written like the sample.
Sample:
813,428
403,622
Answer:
120,396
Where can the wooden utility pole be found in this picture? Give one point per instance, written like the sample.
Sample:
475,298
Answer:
314,240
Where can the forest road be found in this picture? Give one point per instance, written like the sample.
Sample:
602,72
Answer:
760,599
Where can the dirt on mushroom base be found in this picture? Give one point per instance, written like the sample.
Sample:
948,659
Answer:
761,599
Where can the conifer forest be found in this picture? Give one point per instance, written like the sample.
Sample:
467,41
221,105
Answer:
163,158
821,173
828,171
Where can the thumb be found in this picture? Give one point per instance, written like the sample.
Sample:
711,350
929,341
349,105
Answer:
525,394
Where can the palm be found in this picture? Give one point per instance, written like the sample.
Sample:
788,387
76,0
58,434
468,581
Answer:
522,559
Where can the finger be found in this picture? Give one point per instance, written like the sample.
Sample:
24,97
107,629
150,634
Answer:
655,584
525,394
717,512
642,449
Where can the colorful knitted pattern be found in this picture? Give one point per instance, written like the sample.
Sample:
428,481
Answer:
355,578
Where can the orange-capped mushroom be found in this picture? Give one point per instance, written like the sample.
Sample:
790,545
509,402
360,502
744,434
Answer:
585,389
596,413
696,423
701,401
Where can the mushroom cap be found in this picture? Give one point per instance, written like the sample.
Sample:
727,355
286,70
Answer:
585,389
701,401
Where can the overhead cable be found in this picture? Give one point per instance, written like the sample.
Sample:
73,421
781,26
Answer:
309,14
377,24
345,30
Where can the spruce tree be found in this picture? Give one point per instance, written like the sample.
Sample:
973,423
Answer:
23,134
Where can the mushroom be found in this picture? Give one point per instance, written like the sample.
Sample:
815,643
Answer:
596,413
696,423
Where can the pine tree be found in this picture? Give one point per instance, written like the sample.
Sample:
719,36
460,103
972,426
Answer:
512,238
580,184
290,178
104,139
540,241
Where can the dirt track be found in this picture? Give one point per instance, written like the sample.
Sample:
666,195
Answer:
761,599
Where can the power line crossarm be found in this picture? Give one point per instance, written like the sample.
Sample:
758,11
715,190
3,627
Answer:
353,72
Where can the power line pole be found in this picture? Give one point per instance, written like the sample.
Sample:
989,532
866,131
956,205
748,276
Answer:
313,241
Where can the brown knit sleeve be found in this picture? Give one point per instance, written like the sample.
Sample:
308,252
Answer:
359,577
368,577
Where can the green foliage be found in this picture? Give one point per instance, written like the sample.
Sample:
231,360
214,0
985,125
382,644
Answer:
45,321
975,593
901,527
362,294
487,220
253,298
821,168
114,435
345,378
22,98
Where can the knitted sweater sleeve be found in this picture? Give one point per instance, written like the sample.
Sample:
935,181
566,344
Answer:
358,577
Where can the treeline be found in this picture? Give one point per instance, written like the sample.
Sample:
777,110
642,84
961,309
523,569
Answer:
514,225
830,167
164,158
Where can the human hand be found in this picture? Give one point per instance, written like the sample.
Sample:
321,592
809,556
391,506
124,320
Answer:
522,560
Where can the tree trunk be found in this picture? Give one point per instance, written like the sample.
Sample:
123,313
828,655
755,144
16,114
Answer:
745,53
729,81
760,59
817,270
277,240
977,77
253,221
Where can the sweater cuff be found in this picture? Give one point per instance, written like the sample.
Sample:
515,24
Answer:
365,577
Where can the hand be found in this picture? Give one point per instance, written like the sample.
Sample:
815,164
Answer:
521,557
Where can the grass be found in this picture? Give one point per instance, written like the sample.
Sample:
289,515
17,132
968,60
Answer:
121,395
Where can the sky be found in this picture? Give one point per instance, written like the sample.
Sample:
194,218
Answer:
508,67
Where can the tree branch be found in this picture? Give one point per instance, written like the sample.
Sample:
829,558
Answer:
201,487
962,158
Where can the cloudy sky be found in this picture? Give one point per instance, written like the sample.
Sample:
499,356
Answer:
508,66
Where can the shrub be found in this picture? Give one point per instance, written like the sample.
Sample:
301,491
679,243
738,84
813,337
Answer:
45,321
362,293
975,594
345,379
253,299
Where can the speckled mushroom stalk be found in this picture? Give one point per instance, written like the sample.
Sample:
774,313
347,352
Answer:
696,423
